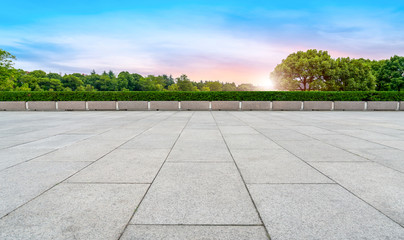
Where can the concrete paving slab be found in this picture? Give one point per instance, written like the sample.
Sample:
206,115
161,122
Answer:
124,166
249,141
194,232
316,151
12,156
380,186
24,182
197,193
75,211
319,211
200,154
275,166
87,151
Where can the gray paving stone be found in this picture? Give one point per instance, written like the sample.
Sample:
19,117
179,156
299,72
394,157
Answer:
275,166
54,142
87,151
12,156
24,182
202,193
152,141
380,186
75,211
238,130
249,141
202,154
319,211
194,232
124,166
316,151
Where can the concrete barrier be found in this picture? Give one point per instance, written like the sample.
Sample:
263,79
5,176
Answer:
12,106
317,105
101,105
226,105
349,106
164,106
382,106
402,106
256,105
286,105
133,105
72,106
195,105
42,106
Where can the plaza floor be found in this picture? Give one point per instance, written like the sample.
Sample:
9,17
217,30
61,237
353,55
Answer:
201,175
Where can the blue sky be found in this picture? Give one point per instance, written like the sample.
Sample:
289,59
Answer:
239,41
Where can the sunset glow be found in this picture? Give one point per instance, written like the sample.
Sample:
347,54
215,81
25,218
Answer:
232,41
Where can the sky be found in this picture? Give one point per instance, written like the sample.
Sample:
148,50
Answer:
230,41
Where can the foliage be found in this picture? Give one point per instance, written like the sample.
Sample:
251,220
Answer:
391,74
203,96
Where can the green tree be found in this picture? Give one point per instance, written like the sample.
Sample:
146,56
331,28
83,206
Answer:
229,87
54,76
50,84
72,82
245,87
184,84
38,74
214,86
303,71
391,75
7,72
352,75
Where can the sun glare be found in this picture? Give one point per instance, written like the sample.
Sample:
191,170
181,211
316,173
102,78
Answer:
266,84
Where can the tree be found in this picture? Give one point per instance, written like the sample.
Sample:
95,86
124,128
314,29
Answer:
38,74
351,75
303,71
391,75
7,72
229,87
214,86
184,84
50,84
245,87
72,82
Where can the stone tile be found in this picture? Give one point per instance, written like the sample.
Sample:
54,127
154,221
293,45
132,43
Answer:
200,154
24,182
319,211
124,166
394,144
12,156
275,166
316,151
176,232
285,134
238,130
202,193
249,141
55,142
380,186
152,141
75,211
84,151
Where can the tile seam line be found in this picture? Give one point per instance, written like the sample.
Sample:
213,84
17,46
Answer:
165,160
242,178
329,144
56,148
201,225
47,190
331,179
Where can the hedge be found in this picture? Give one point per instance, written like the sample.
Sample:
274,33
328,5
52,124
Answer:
202,96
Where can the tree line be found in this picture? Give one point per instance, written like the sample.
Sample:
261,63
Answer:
304,71
12,79
316,70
